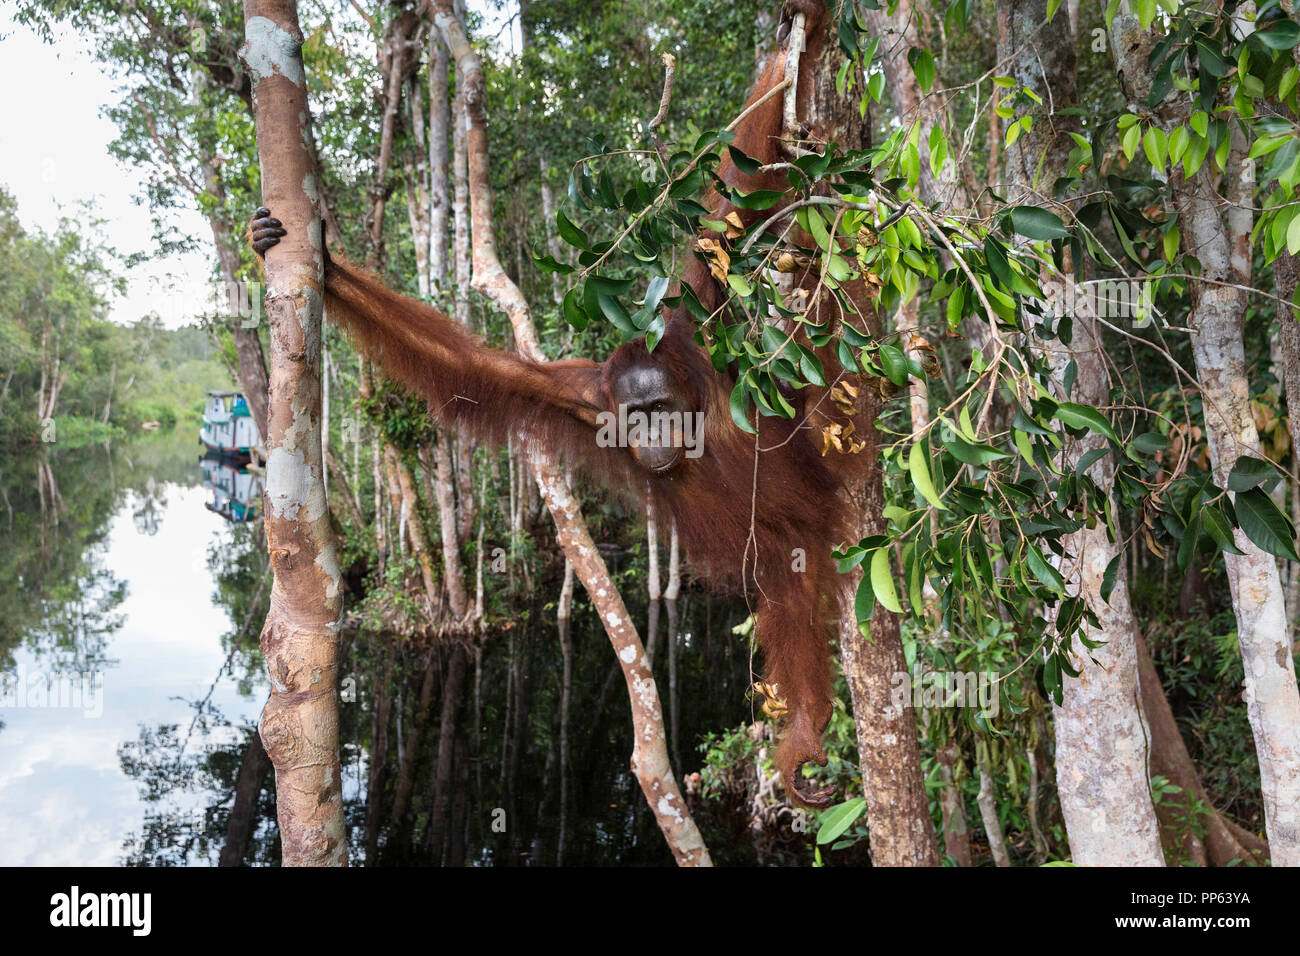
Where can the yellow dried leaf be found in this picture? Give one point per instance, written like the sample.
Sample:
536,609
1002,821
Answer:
773,705
845,397
1154,548
719,258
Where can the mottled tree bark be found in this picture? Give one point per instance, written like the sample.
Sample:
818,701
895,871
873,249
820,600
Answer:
898,810
439,205
1217,319
300,639
1101,736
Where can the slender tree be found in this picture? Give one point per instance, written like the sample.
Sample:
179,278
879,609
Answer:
300,638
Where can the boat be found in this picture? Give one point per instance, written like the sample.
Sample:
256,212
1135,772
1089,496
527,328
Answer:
228,428
236,491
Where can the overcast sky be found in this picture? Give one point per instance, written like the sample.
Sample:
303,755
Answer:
54,154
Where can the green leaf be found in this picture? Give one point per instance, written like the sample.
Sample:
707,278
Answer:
1217,526
548,263
1250,473
1085,416
573,313
1037,223
876,86
837,820
1287,83
882,581
744,163
1170,243
918,466
571,233
1178,141
1195,155
838,268
740,407
972,454
1156,146
1211,60
1265,525
1283,35
1045,573
923,66
1130,140
1024,446
1293,236
740,284
895,364
758,199
1149,443
996,257
864,602
811,366
1111,575
938,149
810,218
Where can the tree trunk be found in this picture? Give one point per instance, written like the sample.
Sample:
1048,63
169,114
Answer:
1286,276
653,589
1224,841
952,804
1101,736
674,638
988,804
650,755
898,810
1217,319
300,639
563,618
439,207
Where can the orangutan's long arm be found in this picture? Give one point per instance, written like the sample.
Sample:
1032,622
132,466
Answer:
492,391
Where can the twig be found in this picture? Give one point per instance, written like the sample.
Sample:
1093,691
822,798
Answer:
181,175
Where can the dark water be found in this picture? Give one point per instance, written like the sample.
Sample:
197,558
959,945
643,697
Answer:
115,649
131,606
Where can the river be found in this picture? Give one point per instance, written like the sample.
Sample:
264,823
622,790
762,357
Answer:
130,682
123,705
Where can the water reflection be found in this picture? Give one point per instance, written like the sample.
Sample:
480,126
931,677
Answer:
134,583
236,491
137,692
